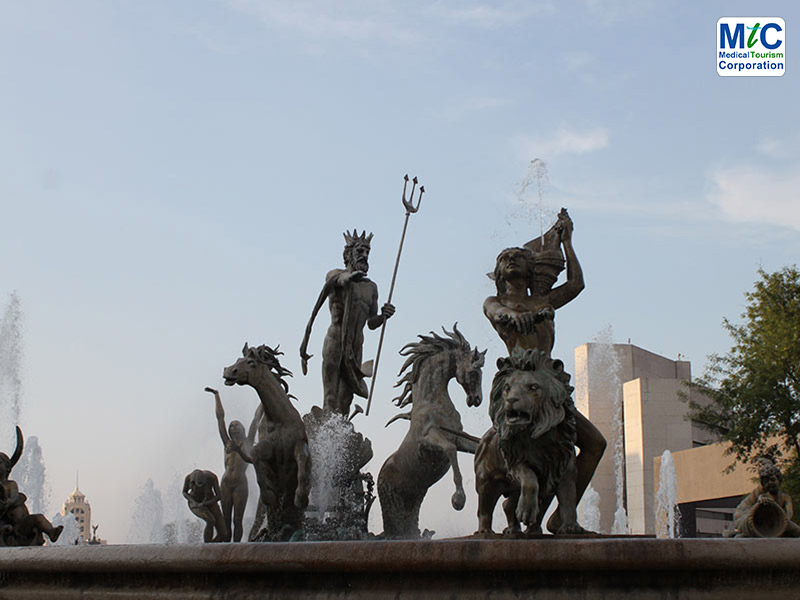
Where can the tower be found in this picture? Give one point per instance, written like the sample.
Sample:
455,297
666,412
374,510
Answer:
77,505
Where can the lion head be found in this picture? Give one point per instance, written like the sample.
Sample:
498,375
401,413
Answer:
530,394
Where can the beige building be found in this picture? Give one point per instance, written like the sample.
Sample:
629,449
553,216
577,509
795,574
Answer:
707,498
631,396
77,505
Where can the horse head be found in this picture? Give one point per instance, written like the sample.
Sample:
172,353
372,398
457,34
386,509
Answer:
254,364
469,367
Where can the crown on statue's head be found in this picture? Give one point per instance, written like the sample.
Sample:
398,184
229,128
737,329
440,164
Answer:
351,239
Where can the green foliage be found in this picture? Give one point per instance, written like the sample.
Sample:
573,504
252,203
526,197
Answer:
754,389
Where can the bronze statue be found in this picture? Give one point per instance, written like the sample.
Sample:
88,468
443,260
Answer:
201,490
435,433
234,481
353,303
529,453
17,526
261,426
281,459
523,314
766,511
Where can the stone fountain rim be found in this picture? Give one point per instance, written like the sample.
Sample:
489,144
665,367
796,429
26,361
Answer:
614,554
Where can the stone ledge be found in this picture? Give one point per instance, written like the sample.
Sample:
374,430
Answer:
461,568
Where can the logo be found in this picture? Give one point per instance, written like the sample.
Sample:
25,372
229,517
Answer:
751,47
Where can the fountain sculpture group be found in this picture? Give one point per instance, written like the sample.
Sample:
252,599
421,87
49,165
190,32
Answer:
309,469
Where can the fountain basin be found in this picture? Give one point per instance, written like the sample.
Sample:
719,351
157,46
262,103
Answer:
459,568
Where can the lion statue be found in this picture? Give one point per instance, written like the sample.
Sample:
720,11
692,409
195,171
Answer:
528,455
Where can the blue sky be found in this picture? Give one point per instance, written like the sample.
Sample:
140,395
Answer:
175,178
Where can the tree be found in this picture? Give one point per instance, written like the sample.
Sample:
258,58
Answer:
753,391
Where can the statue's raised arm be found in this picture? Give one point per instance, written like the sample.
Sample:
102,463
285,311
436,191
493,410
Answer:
566,292
220,414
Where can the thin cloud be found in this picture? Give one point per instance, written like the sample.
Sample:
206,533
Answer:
609,12
358,21
490,14
757,195
564,141
771,147
469,106
384,21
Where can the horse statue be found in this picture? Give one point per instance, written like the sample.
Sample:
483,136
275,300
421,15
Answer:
281,459
435,434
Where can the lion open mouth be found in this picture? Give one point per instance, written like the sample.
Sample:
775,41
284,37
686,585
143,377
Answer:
517,417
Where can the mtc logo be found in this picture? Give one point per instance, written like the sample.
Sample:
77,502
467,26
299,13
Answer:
770,34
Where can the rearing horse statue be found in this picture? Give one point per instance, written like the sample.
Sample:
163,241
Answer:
435,435
281,459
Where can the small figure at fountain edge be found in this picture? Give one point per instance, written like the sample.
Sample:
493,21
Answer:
353,303
523,313
201,490
435,434
766,511
233,486
17,526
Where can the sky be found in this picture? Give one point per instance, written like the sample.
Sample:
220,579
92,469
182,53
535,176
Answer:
175,179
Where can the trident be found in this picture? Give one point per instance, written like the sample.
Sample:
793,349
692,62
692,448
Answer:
410,209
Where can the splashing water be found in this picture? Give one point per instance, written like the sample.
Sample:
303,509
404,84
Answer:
72,531
10,370
147,518
328,448
527,212
30,476
667,514
604,364
589,510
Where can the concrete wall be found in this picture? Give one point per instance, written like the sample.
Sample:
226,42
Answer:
599,387
700,474
654,422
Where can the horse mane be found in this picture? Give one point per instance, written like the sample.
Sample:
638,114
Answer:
419,352
269,357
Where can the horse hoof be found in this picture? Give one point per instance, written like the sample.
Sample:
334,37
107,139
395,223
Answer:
458,500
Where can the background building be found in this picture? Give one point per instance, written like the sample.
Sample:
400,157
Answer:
77,505
632,396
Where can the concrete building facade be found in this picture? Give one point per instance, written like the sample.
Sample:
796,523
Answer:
632,396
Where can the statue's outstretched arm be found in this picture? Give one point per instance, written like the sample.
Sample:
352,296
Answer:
375,320
243,452
220,412
304,355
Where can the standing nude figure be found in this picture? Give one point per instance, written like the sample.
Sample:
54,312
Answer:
353,302
201,490
523,314
233,486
